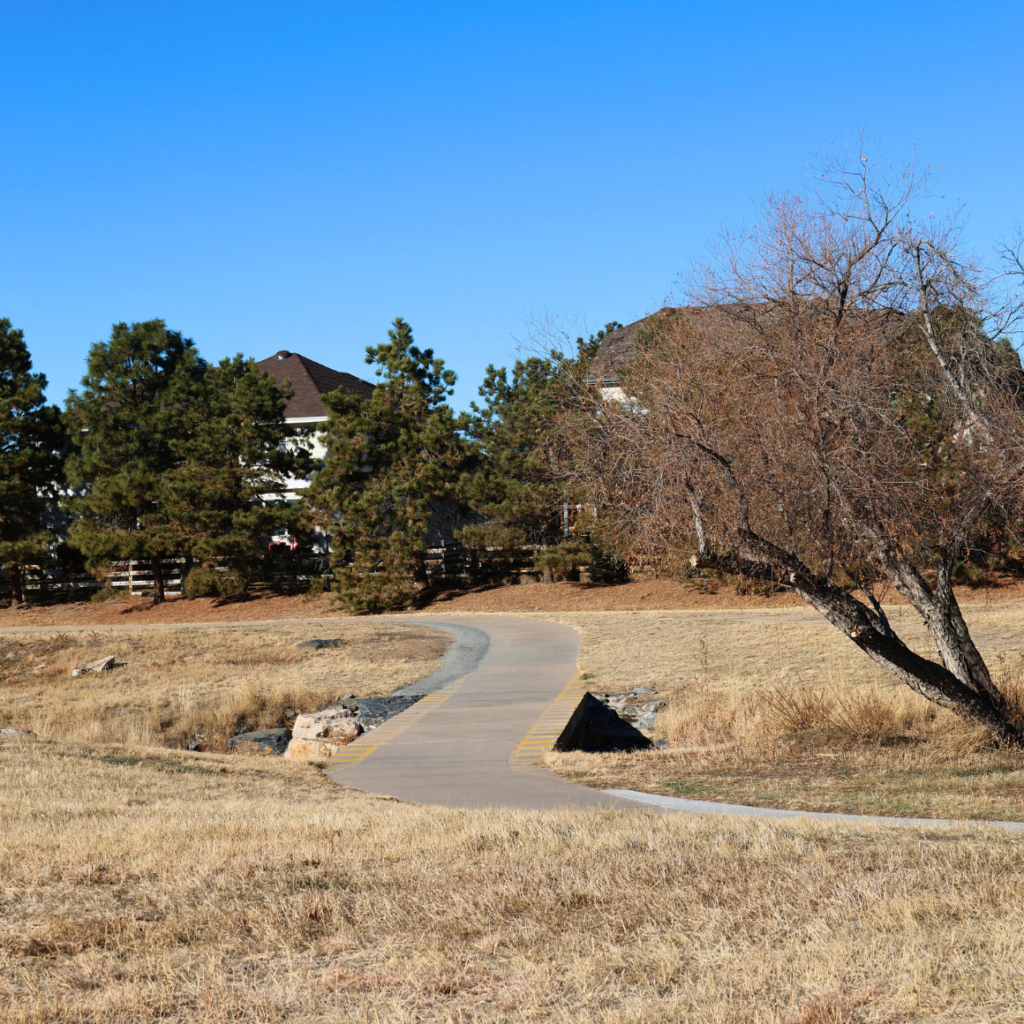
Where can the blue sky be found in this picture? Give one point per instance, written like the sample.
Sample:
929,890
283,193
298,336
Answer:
295,176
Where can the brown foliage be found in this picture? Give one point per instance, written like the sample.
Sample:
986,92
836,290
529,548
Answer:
831,415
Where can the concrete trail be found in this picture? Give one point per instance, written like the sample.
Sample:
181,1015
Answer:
463,745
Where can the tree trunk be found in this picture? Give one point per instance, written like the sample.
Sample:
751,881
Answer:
158,581
419,573
974,698
17,586
703,547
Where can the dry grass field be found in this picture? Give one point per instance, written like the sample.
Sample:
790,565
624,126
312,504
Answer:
140,882
777,709
172,686
144,884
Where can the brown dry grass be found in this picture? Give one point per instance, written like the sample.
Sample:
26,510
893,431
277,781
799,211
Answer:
779,710
171,686
142,884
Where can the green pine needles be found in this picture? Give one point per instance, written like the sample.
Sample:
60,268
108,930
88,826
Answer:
392,464
174,456
30,461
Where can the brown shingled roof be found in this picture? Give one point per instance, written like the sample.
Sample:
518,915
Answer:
309,381
616,348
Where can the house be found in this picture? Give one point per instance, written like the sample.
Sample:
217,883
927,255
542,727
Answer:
309,380
618,348
614,353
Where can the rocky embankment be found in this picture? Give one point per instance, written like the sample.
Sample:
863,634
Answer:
323,733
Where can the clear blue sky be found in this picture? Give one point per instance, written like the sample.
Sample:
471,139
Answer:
268,176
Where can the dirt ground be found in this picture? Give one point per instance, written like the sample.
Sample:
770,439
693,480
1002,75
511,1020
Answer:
638,595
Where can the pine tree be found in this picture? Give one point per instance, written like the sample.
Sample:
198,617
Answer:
514,489
126,424
391,461
232,457
30,460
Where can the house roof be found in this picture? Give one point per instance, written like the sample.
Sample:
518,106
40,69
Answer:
309,381
617,350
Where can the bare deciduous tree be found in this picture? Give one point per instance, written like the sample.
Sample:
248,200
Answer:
834,411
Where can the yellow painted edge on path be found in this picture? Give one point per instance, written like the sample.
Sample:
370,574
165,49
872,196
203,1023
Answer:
545,731
360,749
528,754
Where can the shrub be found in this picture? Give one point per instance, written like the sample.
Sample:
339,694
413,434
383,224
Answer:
606,567
317,589
562,560
206,581
105,593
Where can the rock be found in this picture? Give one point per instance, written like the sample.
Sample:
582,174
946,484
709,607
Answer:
99,665
661,744
374,711
337,724
263,742
16,732
319,645
312,750
641,689
647,720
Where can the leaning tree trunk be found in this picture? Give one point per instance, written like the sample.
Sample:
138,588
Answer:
961,684
158,581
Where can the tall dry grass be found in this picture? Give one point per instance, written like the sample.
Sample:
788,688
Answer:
141,884
184,686
779,710
828,708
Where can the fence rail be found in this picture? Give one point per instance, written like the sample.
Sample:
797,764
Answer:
137,577
451,564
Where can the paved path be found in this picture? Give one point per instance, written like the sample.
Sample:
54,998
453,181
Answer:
478,741
503,695
673,803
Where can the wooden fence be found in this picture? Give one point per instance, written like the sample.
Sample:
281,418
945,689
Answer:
451,565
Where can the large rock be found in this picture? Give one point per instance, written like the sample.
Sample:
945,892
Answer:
312,750
339,725
16,732
99,665
263,742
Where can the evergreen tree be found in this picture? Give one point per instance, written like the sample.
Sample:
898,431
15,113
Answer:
233,453
586,350
126,424
514,488
30,461
392,461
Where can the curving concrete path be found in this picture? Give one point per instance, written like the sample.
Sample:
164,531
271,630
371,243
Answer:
478,741
501,698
